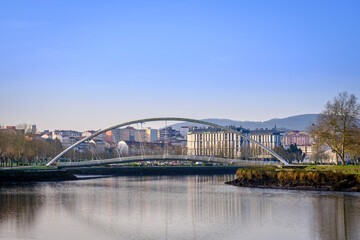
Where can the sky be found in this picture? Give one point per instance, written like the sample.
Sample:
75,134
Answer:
92,64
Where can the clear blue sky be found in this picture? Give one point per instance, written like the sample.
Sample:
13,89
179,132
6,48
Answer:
90,64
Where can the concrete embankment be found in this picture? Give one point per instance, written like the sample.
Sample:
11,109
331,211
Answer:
31,175
26,175
298,179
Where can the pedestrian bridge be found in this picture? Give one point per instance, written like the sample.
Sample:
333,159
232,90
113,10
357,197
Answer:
181,158
165,156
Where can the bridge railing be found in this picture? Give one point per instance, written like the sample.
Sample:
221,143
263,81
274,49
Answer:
207,159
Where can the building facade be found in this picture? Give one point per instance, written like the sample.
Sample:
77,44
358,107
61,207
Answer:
301,139
130,134
140,135
270,138
168,134
211,141
214,142
151,135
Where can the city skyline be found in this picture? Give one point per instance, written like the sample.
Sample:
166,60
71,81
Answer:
90,65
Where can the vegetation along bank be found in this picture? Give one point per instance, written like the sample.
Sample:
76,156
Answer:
327,178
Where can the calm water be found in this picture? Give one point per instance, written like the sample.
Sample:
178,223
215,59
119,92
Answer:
190,207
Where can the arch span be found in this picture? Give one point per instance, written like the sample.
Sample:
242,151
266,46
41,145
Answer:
283,161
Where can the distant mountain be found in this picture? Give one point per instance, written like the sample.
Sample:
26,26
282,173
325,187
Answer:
299,122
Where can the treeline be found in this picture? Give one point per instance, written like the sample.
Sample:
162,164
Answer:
19,148
22,147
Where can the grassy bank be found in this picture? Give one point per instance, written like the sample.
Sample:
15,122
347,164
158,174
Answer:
335,178
335,168
26,168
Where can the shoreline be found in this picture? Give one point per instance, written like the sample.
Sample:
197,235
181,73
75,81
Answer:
30,175
41,175
242,183
295,179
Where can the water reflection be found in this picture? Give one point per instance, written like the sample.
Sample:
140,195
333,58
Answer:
185,207
334,217
19,209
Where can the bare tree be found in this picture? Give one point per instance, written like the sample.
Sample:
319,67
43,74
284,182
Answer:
318,153
336,124
19,143
354,146
8,149
15,146
3,143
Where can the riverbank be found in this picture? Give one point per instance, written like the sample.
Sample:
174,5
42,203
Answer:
34,175
324,178
38,174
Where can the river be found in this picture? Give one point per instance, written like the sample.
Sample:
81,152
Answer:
173,207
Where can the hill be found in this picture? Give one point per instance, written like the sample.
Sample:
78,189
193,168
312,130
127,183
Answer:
298,122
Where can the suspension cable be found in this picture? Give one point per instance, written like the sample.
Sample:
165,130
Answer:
166,147
142,148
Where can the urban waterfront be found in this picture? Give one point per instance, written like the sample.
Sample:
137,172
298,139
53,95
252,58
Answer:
173,207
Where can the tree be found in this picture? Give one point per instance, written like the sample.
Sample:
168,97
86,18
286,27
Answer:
354,146
336,125
3,145
296,153
282,152
290,154
7,146
318,153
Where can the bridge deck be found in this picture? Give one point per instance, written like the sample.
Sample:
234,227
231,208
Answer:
205,159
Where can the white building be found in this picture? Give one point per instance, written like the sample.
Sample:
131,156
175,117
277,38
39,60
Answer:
66,137
130,134
87,133
184,130
67,141
212,141
98,145
270,138
46,136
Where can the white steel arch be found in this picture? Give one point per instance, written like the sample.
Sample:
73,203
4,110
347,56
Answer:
283,161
